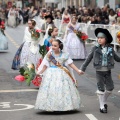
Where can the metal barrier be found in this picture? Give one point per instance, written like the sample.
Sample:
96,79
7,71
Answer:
90,28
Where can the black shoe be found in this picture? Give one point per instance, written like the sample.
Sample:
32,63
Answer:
103,110
106,106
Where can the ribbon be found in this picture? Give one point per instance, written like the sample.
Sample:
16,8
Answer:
52,59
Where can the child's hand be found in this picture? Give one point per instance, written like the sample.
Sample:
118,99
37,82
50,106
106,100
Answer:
39,75
69,25
49,54
80,72
50,40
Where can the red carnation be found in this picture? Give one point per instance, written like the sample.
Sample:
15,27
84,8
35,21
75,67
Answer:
2,23
47,48
37,81
84,36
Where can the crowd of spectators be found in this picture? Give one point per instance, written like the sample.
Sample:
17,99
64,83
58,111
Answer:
104,15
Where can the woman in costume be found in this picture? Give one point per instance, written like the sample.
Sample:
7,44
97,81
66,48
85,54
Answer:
3,38
29,50
39,22
74,45
57,91
64,22
12,17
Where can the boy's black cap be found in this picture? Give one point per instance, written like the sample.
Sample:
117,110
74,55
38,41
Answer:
106,32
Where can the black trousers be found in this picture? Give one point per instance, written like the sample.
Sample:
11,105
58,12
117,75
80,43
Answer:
104,80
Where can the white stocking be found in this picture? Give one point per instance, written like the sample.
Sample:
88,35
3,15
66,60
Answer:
100,97
105,96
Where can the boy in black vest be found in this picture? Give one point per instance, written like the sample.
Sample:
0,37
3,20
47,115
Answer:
103,56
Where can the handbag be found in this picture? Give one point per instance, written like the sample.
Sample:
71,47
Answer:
37,80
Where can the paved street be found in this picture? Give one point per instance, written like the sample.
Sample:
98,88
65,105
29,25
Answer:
17,100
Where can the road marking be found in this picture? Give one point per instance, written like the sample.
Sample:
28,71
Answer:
20,90
12,40
91,117
7,105
119,91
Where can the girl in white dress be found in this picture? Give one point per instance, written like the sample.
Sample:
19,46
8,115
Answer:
57,91
29,50
75,46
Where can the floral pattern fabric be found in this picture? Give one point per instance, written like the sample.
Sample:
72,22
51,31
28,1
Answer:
57,91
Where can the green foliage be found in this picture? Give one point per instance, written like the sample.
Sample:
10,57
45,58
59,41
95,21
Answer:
43,51
28,73
22,70
34,34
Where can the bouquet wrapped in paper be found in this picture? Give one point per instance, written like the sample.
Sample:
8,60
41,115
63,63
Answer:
82,36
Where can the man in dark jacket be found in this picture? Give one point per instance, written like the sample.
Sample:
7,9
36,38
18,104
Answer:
25,15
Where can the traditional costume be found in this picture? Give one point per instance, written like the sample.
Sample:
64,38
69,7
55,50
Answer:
12,18
64,22
3,38
27,52
3,42
75,46
57,91
103,61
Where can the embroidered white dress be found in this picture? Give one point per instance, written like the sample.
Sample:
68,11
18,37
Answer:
12,18
30,50
75,47
3,42
57,91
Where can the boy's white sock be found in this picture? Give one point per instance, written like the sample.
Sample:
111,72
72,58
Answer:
106,95
100,96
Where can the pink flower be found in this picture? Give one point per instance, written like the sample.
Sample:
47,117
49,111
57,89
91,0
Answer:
38,30
20,78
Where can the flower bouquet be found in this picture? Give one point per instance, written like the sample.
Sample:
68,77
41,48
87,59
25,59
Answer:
35,34
37,80
27,73
2,27
43,51
82,36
